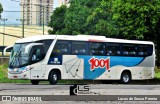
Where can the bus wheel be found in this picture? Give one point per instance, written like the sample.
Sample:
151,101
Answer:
35,82
53,77
125,77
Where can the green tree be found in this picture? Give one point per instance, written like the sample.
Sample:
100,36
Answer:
100,21
76,17
136,19
57,20
1,9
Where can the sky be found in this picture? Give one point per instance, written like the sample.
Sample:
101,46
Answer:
9,6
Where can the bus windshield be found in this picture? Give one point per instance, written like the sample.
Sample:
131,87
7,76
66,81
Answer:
19,57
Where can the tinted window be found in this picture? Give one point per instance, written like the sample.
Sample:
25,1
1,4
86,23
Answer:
97,48
46,44
37,54
150,50
129,50
113,49
61,47
145,50
80,48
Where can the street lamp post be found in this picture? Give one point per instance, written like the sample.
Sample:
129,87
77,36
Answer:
23,23
4,20
23,19
43,20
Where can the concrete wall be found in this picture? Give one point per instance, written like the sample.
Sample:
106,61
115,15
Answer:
4,60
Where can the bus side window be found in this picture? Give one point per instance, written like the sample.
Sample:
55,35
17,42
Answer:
61,47
79,48
113,49
37,54
129,50
150,49
145,50
97,48
46,44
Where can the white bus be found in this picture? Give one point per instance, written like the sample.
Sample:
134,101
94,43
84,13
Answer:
81,57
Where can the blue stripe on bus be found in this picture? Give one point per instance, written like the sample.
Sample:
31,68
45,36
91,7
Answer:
114,61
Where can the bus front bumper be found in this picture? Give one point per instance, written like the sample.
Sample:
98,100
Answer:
25,75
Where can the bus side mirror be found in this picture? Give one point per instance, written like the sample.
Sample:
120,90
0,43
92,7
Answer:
7,48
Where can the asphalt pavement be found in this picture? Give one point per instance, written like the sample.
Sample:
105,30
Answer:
14,89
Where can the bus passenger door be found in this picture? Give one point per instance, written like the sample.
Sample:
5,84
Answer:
36,64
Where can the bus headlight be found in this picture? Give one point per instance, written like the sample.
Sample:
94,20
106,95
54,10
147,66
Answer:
27,69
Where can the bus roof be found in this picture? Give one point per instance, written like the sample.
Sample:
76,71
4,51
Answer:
91,38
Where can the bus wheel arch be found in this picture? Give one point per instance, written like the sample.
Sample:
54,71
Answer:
125,77
54,76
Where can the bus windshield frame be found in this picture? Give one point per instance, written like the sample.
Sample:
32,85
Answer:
19,56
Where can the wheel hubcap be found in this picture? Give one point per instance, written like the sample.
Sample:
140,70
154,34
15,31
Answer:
54,77
125,78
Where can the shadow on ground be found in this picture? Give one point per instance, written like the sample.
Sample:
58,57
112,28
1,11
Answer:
114,82
135,82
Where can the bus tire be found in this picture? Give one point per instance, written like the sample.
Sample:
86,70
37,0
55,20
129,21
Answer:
125,77
35,82
53,77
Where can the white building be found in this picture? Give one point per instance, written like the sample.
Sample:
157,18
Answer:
36,11
63,2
